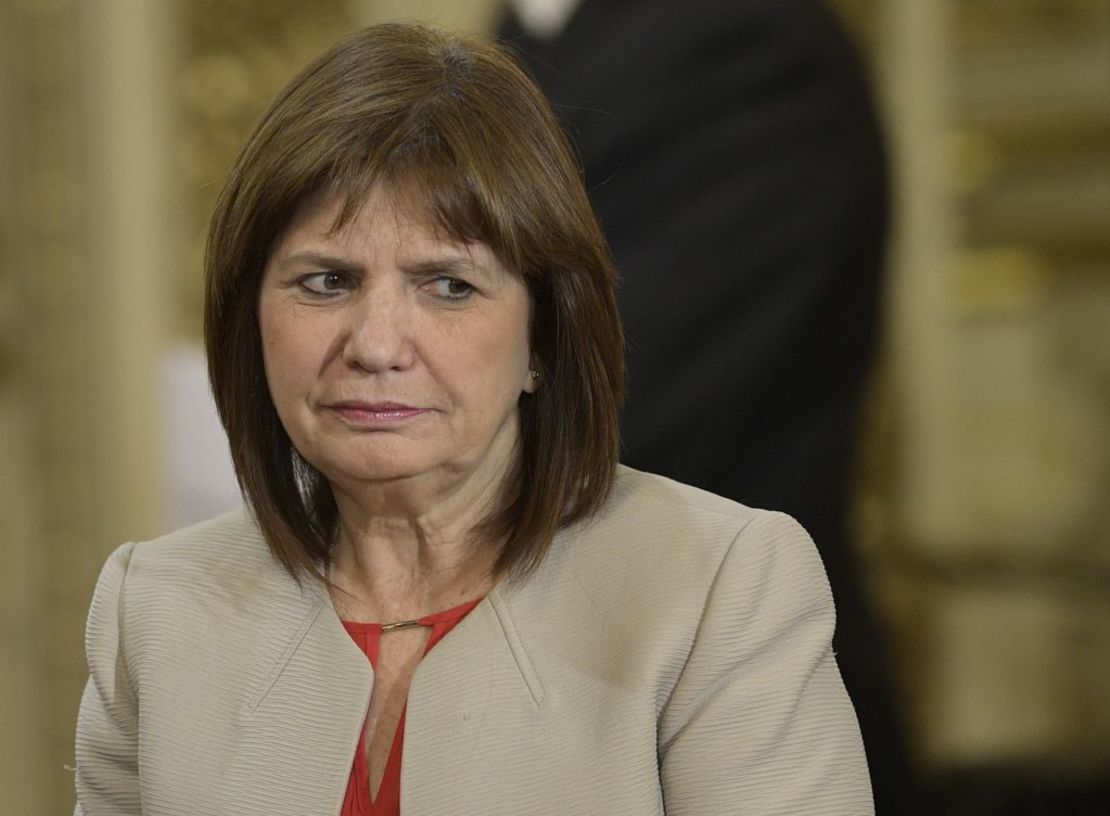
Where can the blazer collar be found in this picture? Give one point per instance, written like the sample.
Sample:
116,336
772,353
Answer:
297,731
477,686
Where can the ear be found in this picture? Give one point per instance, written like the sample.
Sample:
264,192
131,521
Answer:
531,380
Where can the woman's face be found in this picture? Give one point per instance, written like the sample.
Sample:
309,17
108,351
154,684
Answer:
391,351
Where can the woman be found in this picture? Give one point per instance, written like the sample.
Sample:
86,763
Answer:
446,593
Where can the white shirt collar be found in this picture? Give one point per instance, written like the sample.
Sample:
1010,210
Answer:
544,19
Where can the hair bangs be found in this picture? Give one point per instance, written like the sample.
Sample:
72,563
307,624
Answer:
427,177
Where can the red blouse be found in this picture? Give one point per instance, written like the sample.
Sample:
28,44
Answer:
357,800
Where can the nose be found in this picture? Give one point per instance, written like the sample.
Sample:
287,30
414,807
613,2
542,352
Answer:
379,332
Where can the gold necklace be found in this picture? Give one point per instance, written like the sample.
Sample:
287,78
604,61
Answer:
408,624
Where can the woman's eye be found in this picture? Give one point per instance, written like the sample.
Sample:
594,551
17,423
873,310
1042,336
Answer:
451,288
326,283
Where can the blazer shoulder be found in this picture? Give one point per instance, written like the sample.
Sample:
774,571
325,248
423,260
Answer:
624,595
640,498
231,542
221,567
689,531
658,542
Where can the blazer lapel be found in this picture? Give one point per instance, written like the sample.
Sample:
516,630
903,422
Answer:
296,735
470,696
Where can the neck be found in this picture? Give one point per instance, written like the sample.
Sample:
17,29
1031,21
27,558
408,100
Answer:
400,560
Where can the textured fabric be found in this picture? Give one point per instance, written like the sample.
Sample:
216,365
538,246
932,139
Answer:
669,656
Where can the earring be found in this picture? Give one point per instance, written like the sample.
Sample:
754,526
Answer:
533,373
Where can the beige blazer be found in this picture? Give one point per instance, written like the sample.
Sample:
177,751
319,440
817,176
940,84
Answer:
670,656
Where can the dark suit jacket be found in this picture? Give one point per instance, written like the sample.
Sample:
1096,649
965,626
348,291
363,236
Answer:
733,154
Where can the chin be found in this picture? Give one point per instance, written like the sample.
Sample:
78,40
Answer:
353,460
354,469
362,472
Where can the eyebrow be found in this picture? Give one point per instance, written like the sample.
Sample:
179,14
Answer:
459,265
321,259
449,266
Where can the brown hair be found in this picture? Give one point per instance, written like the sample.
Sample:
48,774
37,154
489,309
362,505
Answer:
455,121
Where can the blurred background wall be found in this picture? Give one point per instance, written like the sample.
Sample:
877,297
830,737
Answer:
984,477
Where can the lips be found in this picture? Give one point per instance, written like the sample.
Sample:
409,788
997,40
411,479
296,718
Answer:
363,413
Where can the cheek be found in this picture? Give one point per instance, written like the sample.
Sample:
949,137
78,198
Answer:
504,353
514,338
272,355
287,354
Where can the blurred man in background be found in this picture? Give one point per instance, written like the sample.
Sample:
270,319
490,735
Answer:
733,154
